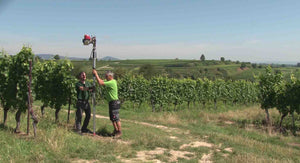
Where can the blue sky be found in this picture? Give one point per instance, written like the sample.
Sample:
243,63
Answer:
254,31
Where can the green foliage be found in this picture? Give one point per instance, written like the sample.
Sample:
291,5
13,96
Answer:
175,93
188,88
162,91
119,73
293,91
17,87
124,88
147,71
61,82
5,63
54,83
270,85
288,98
56,57
159,88
243,65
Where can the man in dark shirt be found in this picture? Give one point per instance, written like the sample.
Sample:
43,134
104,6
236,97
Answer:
83,89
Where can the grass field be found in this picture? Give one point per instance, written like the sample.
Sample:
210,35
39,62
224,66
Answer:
229,134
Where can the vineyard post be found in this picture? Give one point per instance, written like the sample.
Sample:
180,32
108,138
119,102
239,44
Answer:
69,109
30,111
70,100
29,95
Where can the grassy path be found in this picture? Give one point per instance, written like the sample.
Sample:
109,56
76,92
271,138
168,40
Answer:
183,136
174,154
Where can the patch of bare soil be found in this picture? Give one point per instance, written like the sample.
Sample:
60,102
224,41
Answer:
145,156
84,161
228,149
196,144
105,67
180,154
165,128
173,137
149,156
229,122
225,155
100,116
206,158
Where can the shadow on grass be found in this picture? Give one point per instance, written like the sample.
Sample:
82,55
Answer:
104,132
6,128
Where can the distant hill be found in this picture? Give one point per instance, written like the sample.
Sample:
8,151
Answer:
51,56
109,58
45,56
76,58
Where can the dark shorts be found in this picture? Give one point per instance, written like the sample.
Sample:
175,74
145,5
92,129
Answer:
114,107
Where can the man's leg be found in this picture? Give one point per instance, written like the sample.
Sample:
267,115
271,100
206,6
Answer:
117,122
78,119
116,129
111,117
118,132
114,108
87,110
119,125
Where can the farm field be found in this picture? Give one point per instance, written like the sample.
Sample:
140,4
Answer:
210,69
233,134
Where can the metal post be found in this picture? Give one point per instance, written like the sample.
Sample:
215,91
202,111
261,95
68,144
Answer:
94,85
86,41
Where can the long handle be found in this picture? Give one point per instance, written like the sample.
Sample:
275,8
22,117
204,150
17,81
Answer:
94,92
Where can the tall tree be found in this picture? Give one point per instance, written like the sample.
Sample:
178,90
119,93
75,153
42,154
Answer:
222,59
56,57
202,58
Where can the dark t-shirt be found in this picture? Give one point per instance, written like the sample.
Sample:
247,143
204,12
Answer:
83,95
